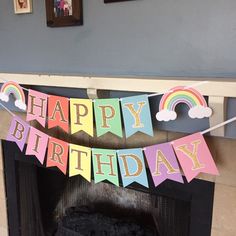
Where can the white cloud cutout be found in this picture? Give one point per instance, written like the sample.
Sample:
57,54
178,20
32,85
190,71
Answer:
200,112
20,104
4,97
166,115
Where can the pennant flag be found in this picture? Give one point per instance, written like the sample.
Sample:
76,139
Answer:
137,116
80,161
162,163
18,132
57,154
108,117
81,115
194,156
105,165
58,112
37,144
37,107
132,166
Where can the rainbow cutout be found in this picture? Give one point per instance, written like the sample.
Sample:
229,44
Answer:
194,100
15,89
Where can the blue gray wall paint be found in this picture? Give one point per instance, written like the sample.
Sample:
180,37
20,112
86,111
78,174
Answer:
136,38
143,37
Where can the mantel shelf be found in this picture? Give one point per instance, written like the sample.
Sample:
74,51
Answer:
219,87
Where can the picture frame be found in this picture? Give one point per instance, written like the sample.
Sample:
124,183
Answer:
62,13
22,6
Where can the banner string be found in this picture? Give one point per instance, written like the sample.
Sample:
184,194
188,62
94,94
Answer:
219,125
186,87
10,112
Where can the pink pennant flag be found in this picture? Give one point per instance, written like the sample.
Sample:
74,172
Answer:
37,144
57,154
37,107
58,112
194,156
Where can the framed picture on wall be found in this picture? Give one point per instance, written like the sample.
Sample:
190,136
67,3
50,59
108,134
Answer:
61,13
22,6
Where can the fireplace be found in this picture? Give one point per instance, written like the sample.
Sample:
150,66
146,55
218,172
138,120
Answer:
43,201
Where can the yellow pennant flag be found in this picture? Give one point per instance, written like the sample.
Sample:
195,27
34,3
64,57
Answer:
80,161
81,115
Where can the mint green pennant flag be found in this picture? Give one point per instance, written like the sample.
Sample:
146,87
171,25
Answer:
108,116
105,165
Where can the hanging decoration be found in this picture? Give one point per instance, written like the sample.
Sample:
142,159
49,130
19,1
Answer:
194,156
57,154
37,107
137,115
162,163
37,144
80,161
16,90
107,116
81,115
105,165
191,152
18,132
58,112
132,166
191,97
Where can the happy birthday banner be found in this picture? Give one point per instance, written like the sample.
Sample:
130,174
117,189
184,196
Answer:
78,114
191,152
164,160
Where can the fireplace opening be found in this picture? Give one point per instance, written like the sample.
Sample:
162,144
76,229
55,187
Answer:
44,202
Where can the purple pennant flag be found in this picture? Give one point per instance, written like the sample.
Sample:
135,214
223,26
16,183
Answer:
18,132
163,163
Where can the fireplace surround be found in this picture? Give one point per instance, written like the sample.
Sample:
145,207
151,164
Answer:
39,200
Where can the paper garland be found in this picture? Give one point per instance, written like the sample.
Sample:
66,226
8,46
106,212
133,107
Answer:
135,110
191,152
161,158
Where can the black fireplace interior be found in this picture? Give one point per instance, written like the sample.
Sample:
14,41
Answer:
43,202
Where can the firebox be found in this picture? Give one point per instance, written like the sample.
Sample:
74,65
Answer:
44,202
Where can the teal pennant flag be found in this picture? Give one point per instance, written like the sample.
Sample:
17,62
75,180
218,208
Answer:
105,165
137,115
108,116
132,166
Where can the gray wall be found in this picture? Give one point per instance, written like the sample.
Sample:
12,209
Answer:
142,37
